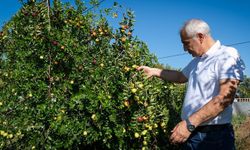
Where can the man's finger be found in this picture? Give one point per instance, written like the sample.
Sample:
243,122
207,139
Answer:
174,129
177,139
172,137
140,68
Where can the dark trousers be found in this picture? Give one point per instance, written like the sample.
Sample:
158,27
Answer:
211,138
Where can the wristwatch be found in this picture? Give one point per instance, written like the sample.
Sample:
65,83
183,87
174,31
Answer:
190,127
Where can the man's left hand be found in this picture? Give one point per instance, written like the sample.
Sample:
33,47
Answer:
180,133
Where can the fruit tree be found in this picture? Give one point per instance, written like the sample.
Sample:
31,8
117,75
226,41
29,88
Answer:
68,80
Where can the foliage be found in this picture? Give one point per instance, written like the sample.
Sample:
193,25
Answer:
244,88
237,120
69,81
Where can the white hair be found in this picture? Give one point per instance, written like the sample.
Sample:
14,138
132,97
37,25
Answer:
194,26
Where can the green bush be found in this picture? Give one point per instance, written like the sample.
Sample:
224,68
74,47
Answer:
68,81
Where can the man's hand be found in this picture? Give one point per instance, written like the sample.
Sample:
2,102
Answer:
147,70
180,133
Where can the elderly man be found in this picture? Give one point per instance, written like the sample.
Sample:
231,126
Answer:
213,77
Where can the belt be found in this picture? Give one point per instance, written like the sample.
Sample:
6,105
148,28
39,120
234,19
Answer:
210,128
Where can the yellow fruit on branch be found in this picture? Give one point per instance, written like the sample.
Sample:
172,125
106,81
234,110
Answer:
134,90
124,27
97,40
129,33
137,135
93,117
62,47
93,33
30,95
123,39
126,103
145,118
144,132
115,15
126,69
140,85
135,66
85,133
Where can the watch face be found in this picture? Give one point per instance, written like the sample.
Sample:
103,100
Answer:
191,128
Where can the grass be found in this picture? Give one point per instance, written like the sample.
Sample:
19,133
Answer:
237,122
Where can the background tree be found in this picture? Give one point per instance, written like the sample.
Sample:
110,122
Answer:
244,88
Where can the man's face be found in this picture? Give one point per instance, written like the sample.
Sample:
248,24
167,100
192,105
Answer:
191,44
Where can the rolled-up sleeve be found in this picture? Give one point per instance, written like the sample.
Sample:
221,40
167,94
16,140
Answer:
231,68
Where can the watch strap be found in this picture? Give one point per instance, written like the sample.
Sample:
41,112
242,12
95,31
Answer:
188,121
190,126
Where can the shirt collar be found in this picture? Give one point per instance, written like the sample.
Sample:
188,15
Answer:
212,50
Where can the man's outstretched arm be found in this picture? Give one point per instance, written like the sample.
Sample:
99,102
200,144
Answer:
167,75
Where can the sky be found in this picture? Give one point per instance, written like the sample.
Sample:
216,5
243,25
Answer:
158,23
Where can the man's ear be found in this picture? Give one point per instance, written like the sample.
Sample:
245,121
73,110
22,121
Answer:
200,36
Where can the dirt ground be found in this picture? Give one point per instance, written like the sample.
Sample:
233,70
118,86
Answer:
242,135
